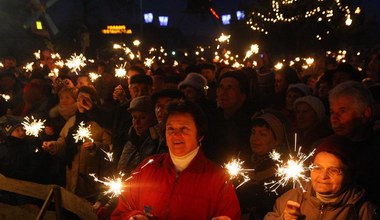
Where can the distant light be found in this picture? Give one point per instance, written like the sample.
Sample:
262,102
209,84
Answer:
136,43
348,20
226,19
163,20
148,17
240,15
39,25
173,53
357,10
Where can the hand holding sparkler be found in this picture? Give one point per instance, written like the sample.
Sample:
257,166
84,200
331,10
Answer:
49,146
292,210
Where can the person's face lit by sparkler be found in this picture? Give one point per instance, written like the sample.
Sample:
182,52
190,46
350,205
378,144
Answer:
131,73
327,175
345,118
160,107
291,96
181,134
209,74
306,117
229,95
83,81
141,121
66,99
139,89
262,140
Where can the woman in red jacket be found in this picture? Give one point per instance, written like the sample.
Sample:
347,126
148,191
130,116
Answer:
181,184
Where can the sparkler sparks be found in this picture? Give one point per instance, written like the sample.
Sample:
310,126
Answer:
37,54
32,126
109,155
28,67
120,71
115,184
294,169
235,169
5,97
83,133
76,62
93,76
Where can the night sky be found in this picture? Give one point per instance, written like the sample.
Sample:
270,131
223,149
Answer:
70,15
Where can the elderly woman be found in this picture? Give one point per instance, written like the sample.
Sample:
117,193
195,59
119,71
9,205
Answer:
332,193
181,184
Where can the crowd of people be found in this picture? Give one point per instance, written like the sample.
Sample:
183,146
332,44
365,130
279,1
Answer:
173,128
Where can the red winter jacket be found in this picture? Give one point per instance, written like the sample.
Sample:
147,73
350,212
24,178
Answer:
201,191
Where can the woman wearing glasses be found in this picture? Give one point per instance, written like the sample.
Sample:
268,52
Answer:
331,193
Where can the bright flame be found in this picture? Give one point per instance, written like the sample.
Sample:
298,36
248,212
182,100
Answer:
32,126
28,67
109,155
93,76
5,97
76,62
224,38
120,71
294,169
83,133
235,169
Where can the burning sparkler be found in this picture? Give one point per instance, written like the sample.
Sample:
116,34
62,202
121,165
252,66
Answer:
33,126
83,133
120,71
294,169
76,62
115,184
93,76
235,169
109,155
5,97
28,67
37,54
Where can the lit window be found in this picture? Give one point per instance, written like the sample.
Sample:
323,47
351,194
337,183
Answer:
226,19
163,20
148,17
240,15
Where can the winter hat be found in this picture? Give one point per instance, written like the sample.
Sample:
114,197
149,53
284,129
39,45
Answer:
9,124
274,123
141,103
315,103
194,80
340,146
169,93
302,87
240,76
141,78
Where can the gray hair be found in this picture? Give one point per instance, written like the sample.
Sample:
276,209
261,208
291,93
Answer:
361,95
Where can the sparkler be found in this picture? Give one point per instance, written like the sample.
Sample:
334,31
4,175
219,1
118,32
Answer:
37,54
32,126
28,67
5,97
120,70
93,76
294,169
83,133
149,61
235,169
76,62
109,155
115,184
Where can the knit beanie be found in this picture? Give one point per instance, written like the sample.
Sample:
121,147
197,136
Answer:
340,146
141,78
194,80
274,123
315,103
9,124
142,104
302,87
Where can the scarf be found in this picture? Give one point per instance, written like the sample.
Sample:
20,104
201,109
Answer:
67,111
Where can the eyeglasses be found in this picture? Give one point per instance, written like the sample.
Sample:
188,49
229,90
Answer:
331,171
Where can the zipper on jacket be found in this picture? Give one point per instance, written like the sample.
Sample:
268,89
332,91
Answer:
321,210
171,194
